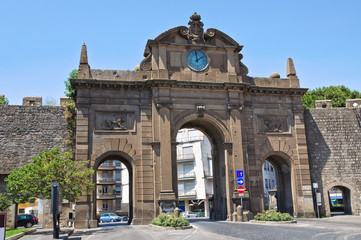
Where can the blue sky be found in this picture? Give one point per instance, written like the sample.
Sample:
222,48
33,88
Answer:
40,41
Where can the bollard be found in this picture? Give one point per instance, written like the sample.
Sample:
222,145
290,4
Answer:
240,217
177,212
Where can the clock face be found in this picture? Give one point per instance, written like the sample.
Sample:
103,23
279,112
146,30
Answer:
197,60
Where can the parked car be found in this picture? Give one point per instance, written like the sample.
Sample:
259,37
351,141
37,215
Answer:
189,214
110,217
27,220
199,212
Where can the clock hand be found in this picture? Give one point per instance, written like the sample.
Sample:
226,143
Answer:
196,56
199,58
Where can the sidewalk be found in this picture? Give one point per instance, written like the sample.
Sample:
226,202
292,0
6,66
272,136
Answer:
46,234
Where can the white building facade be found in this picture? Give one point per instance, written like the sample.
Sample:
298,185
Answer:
112,188
195,173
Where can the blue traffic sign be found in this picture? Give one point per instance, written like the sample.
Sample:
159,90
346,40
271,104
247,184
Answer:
240,181
239,173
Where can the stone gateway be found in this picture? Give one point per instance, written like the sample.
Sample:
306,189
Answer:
193,78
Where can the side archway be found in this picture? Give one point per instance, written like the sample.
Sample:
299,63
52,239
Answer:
127,160
338,194
284,187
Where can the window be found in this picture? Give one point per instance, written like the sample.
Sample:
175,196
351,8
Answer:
21,210
118,188
105,205
266,180
188,150
118,203
271,169
117,175
105,189
273,184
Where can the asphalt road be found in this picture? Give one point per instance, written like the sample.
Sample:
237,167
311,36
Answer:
341,227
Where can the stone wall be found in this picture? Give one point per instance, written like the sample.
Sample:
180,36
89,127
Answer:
26,131
334,149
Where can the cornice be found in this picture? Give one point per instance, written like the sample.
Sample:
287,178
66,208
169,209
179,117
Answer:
167,83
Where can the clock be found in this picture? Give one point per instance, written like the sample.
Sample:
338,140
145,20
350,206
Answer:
197,60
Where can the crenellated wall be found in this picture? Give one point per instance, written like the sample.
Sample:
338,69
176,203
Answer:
334,150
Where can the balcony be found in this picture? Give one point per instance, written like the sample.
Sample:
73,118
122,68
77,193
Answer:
208,175
186,176
108,210
106,195
190,139
188,194
106,180
185,157
109,166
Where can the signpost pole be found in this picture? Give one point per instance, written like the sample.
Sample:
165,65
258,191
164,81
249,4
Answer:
315,186
55,209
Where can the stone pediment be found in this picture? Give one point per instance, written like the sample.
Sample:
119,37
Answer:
181,35
168,55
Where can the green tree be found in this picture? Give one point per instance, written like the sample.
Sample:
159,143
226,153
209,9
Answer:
337,94
34,179
4,100
70,92
4,202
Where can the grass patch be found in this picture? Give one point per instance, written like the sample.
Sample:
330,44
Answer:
170,221
273,215
12,232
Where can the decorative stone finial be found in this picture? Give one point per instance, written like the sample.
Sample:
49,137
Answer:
195,31
83,55
84,68
291,71
275,75
195,17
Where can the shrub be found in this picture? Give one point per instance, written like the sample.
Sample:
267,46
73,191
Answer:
170,221
273,215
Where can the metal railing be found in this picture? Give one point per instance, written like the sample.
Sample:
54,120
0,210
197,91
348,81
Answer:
106,179
186,175
208,174
190,139
108,209
181,157
110,164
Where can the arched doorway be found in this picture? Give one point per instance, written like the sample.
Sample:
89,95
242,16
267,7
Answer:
114,187
340,200
282,189
195,172
269,186
217,201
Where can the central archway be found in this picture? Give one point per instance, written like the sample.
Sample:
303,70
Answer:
114,157
216,135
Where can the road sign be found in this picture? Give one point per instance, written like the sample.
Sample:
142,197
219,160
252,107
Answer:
241,194
315,185
239,173
240,189
240,181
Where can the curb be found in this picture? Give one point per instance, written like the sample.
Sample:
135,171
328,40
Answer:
17,236
273,222
169,228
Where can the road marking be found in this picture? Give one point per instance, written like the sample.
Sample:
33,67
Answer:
192,233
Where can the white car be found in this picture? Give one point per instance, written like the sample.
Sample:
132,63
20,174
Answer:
189,214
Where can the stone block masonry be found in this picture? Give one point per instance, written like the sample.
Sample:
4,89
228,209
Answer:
334,149
26,131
